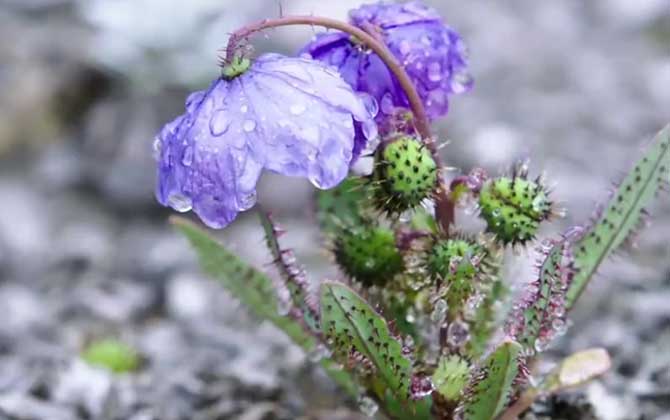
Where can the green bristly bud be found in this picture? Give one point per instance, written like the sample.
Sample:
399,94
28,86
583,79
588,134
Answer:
405,174
513,208
368,255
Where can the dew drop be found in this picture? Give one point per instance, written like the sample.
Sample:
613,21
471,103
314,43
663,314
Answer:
404,47
156,147
387,103
541,344
180,202
434,71
187,157
244,109
439,311
370,129
367,406
297,109
370,103
319,353
460,82
457,333
283,306
249,125
219,123
246,201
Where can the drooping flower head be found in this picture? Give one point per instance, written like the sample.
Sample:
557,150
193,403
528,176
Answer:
292,116
433,54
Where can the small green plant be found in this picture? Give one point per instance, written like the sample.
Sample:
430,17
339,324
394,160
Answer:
113,355
422,324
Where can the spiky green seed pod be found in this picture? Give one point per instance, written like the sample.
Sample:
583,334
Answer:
405,174
445,257
456,263
513,207
368,254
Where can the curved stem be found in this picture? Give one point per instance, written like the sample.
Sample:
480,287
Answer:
444,208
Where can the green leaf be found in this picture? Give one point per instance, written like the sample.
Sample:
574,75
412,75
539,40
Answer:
293,274
350,324
623,214
256,291
577,369
541,312
342,205
492,383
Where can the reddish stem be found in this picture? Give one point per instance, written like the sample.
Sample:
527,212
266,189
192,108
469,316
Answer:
444,208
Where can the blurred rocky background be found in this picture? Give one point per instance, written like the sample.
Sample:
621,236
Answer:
86,253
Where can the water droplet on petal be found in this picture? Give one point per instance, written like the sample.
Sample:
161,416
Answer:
367,406
460,82
187,157
370,129
370,103
249,125
434,71
246,201
387,103
180,202
157,146
297,109
404,47
219,123
244,109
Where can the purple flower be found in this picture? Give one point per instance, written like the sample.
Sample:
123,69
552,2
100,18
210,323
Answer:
433,55
293,116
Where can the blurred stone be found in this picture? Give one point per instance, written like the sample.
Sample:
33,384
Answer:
81,385
22,406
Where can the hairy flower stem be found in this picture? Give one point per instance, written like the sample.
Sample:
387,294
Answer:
444,207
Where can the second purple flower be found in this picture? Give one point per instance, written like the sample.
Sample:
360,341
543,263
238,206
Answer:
433,55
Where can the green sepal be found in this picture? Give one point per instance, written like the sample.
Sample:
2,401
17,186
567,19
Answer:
236,67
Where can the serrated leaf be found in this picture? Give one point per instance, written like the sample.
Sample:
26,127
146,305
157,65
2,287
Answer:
351,325
577,369
341,206
255,290
623,214
491,386
540,312
291,272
